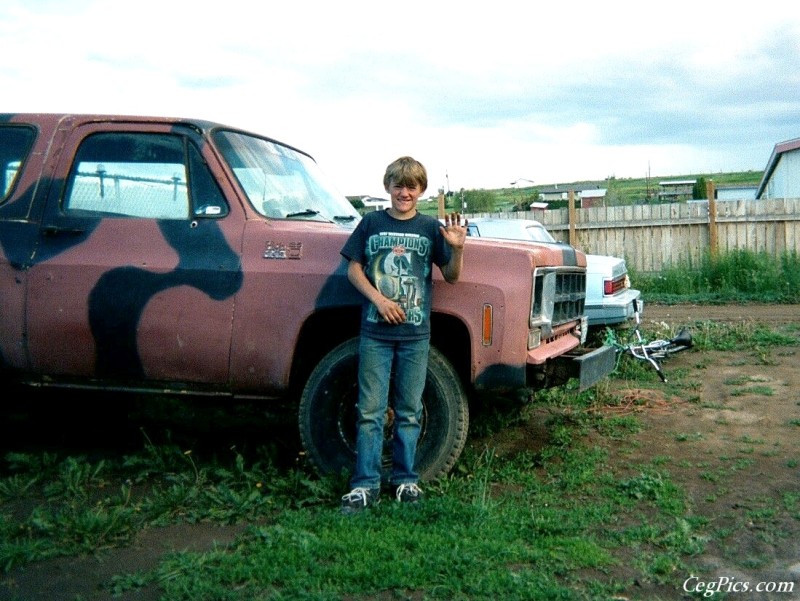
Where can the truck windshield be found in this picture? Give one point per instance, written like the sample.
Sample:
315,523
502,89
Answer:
281,182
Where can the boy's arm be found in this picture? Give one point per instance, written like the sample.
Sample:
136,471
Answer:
454,234
388,309
452,270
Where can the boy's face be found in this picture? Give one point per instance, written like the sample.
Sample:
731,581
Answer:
404,199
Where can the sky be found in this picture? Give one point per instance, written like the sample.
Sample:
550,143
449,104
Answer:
483,94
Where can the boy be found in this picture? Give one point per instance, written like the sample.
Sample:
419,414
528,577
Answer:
390,256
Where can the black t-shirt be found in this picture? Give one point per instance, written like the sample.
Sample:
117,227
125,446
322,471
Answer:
397,256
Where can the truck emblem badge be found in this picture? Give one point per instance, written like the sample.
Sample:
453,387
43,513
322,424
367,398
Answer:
280,250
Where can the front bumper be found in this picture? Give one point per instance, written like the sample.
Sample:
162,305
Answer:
595,365
587,365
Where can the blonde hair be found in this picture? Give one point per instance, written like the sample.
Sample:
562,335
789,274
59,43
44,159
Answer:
406,171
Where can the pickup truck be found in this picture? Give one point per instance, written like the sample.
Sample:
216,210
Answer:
181,256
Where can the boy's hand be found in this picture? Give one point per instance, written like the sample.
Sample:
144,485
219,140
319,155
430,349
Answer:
391,311
454,233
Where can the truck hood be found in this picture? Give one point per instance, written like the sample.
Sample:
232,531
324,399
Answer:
568,255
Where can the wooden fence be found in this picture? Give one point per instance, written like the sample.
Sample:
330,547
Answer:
654,237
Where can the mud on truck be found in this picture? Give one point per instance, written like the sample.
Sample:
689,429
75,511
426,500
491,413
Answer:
183,256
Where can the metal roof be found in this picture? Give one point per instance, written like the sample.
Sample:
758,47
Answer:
779,149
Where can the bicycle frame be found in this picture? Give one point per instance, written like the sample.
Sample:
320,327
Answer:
652,351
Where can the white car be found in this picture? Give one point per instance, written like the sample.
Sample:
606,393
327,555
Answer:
610,299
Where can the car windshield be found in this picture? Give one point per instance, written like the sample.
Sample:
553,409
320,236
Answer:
538,233
281,182
510,229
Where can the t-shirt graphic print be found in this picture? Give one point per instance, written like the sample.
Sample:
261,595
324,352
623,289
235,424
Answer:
398,256
400,266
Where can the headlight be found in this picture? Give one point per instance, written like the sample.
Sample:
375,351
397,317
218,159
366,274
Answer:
542,302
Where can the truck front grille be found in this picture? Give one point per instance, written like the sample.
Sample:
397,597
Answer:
559,296
570,296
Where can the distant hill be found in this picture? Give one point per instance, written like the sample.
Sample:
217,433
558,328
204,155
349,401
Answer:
619,191
633,190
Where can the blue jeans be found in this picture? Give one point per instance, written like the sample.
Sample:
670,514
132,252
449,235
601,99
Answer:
407,360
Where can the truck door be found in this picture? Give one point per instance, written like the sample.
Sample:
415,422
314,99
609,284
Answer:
137,261
18,234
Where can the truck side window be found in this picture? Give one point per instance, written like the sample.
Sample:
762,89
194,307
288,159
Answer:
207,199
15,144
129,175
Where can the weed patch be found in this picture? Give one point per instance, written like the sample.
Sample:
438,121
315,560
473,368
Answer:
584,505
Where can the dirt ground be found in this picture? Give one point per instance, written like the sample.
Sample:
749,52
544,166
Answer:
733,449
751,312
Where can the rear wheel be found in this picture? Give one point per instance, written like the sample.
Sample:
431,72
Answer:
327,415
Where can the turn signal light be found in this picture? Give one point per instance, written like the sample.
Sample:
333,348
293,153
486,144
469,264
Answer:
488,324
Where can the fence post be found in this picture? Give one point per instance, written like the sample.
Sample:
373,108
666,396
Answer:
572,218
712,217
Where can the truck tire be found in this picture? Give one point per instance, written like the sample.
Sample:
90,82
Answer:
327,415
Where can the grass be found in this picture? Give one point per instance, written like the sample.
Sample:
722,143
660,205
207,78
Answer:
734,276
522,527
558,523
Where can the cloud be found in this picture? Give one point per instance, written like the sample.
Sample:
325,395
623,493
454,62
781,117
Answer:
482,93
